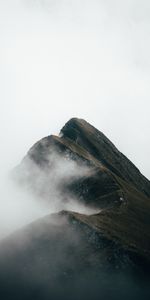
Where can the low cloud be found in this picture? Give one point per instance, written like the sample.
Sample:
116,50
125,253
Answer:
34,191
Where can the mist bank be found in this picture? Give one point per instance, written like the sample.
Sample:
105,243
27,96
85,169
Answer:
23,201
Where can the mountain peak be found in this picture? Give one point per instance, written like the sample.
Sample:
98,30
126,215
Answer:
102,149
83,142
70,244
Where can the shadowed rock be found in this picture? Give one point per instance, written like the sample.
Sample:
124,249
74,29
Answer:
68,251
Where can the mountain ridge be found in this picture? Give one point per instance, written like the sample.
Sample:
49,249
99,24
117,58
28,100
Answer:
103,188
70,246
81,125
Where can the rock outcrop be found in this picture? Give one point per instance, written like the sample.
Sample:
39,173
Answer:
70,254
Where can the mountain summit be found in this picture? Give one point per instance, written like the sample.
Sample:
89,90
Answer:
69,250
101,148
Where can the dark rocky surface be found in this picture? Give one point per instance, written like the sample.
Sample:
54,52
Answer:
100,147
69,255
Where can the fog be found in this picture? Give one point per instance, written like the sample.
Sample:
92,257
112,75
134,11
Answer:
60,59
29,191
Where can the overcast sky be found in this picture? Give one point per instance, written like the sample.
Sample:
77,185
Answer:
65,58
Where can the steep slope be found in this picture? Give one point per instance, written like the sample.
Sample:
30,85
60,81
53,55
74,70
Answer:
83,143
99,146
41,157
111,183
70,254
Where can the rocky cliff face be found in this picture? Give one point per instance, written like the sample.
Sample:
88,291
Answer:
74,255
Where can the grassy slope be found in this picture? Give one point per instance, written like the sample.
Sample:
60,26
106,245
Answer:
126,221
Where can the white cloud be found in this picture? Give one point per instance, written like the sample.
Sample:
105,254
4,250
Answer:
89,59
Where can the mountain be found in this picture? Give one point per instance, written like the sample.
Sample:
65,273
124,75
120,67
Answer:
71,255
98,145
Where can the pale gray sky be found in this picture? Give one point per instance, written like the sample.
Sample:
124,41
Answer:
83,58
